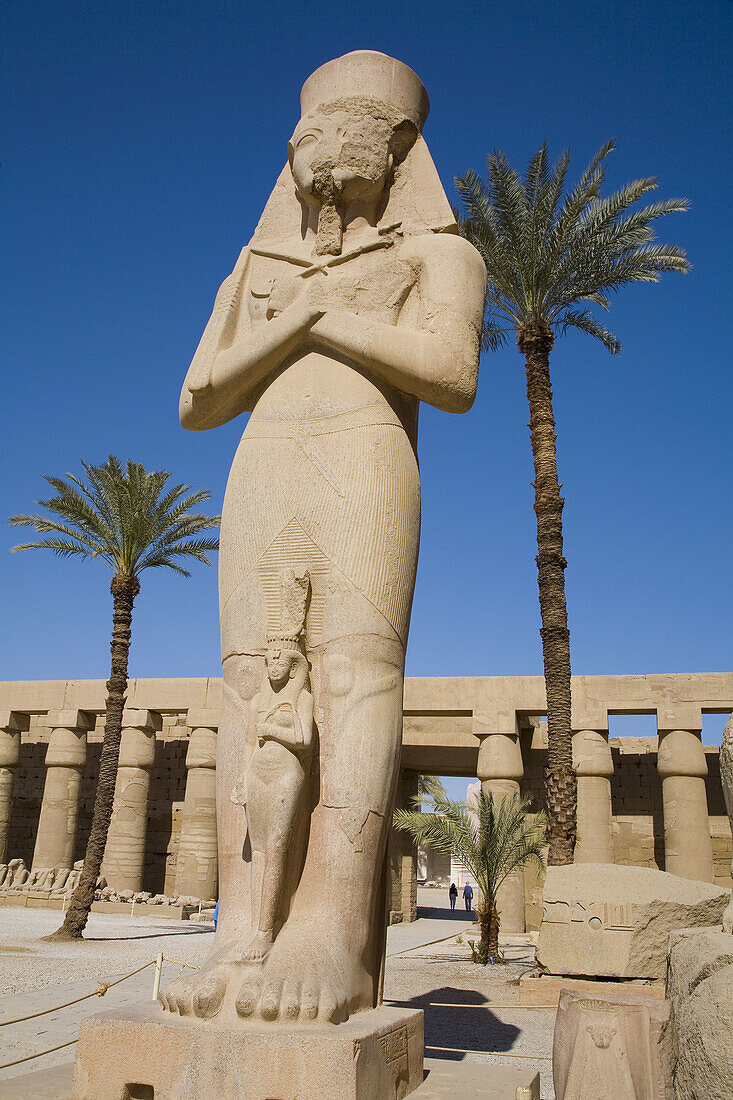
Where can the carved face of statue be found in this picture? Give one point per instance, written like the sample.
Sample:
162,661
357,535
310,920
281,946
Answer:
352,143
280,666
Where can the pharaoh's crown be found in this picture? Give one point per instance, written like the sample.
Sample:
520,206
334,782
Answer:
368,74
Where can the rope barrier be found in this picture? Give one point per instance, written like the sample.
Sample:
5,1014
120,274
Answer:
100,991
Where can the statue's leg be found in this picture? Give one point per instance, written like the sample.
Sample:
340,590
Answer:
202,992
325,961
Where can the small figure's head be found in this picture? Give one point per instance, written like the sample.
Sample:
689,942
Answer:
284,664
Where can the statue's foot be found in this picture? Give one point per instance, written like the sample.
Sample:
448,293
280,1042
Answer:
201,993
258,948
311,973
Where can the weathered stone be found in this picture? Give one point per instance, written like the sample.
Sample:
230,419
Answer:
614,1048
350,305
726,777
700,987
614,921
144,1052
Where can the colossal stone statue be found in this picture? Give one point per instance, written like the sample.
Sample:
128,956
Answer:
354,301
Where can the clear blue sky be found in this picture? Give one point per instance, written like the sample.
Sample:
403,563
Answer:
141,141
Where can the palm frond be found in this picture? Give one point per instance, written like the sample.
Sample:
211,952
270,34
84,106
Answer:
549,248
124,517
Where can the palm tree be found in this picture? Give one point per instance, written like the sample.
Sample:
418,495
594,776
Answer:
549,253
429,787
123,518
491,839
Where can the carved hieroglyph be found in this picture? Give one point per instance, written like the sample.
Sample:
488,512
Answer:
354,301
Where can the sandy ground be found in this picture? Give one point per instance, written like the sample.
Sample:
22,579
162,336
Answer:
472,1013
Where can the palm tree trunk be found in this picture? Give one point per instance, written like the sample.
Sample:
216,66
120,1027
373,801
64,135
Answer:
535,342
124,589
489,947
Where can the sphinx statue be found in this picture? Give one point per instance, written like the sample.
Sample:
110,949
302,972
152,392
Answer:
354,301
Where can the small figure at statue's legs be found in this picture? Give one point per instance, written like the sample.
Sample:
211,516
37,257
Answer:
274,785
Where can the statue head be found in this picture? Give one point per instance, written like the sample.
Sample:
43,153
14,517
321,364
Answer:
361,115
284,662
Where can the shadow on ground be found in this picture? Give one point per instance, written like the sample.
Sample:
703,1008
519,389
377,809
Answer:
436,912
459,1021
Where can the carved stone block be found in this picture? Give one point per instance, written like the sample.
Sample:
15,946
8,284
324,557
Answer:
618,1048
611,921
141,1052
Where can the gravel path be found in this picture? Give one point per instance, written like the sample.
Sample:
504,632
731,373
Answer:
472,1013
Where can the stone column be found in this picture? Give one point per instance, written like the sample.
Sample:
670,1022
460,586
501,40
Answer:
124,855
688,849
12,723
500,770
402,883
196,861
594,766
65,759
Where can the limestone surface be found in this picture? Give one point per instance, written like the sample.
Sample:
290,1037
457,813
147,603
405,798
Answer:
612,1048
726,776
354,301
145,1051
700,986
613,921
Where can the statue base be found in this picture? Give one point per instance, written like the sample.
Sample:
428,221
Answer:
144,1053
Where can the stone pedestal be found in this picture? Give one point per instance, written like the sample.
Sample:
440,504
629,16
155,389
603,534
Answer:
142,1053
196,871
65,758
11,725
688,849
594,767
500,770
124,856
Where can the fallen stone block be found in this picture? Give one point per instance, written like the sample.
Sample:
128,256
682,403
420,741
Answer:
700,987
614,921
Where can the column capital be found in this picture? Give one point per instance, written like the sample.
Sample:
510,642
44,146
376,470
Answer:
70,719
681,753
132,718
201,751
205,717
14,721
500,757
592,753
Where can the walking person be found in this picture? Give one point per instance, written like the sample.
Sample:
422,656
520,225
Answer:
453,895
468,896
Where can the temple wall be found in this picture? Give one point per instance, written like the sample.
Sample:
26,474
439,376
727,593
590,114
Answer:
447,722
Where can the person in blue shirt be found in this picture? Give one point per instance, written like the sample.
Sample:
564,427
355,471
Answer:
216,915
468,896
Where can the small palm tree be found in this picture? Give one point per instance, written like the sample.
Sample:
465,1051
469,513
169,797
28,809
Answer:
123,518
549,254
491,838
429,787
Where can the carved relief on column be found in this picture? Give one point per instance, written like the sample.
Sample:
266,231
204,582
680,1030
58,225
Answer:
681,763
65,759
593,764
196,862
500,769
12,723
124,857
